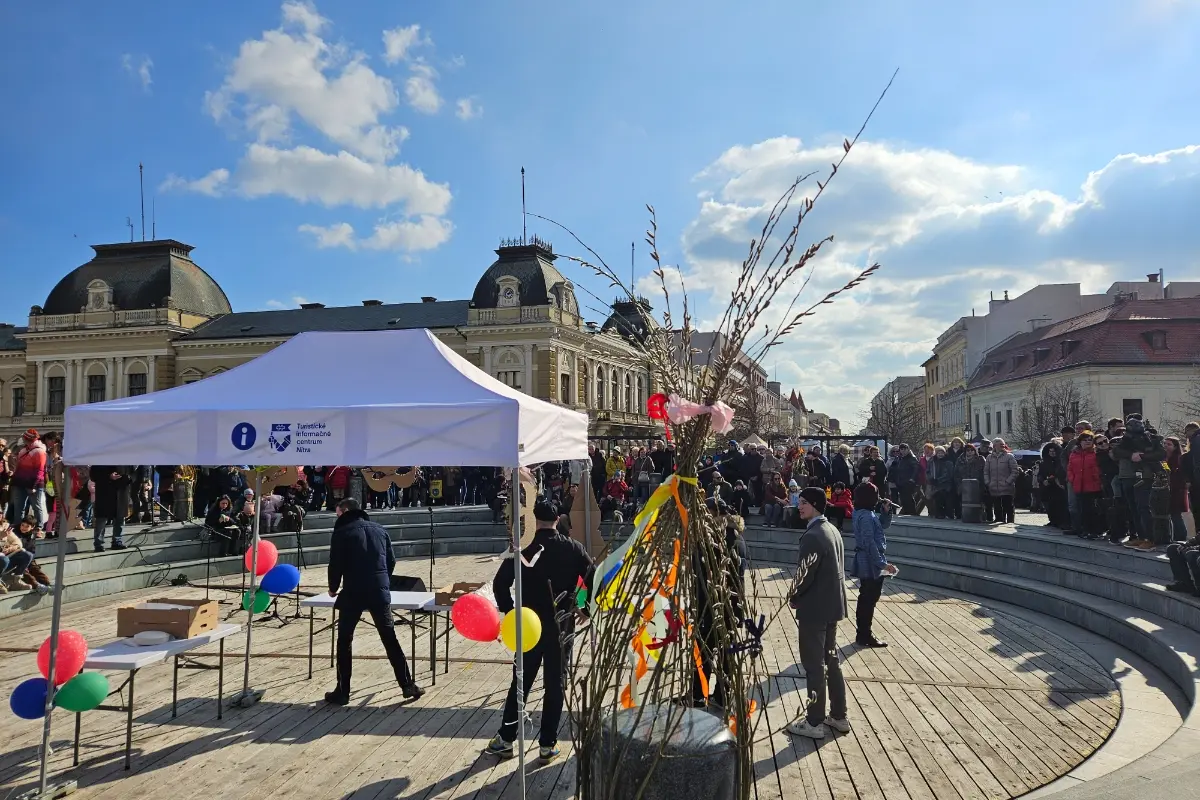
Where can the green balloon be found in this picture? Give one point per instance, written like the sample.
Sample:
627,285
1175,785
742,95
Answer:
262,600
82,693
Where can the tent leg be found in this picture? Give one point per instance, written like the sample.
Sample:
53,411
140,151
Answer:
55,627
248,697
519,658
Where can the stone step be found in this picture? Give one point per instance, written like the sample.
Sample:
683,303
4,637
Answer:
92,584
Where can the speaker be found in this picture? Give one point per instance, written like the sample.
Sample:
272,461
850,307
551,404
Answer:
407,583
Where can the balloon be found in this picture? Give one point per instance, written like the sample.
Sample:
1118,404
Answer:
72,652
28,700
268,555
82,693
476,618
282,579
262,600
531,629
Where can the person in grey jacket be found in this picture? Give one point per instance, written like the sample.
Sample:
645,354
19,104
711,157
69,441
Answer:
819,600
1000,476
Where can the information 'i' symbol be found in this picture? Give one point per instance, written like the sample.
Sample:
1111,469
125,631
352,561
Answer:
244,436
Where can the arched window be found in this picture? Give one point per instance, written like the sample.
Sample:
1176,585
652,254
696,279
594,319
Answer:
510,368
629,406
56,389
190,375
600,388
97,382
136,378
641,396
614,389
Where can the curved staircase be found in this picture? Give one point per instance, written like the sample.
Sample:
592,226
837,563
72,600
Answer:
1115,593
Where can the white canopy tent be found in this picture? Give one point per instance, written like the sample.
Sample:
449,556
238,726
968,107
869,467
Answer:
353,398
362,398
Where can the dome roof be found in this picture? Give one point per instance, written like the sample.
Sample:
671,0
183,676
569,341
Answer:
631,319
531,264
141,275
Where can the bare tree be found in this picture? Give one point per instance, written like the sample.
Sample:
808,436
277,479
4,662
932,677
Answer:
754,411
1179,412
1048,407
898,414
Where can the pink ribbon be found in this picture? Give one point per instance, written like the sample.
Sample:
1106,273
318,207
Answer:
680,411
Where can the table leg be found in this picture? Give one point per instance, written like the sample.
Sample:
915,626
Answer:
311,635
220,678
78,720
332,635
412,639
175,688
433,647
446,649
129,721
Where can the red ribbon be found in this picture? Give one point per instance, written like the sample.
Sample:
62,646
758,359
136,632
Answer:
656,408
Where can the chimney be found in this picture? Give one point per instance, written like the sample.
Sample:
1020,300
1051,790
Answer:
372,302
1152,277
310,306
1006,295
428,299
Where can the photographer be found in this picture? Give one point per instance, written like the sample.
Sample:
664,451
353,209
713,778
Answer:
1140,455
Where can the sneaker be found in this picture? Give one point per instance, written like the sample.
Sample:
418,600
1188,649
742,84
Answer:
3,587
41,589
839,725
1146,546
870,641
498,747
548,753
801,727
336,698
412,692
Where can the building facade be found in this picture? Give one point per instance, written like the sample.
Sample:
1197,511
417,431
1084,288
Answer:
1132,356
142,316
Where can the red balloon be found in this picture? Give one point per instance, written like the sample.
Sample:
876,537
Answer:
72,652
476,618
268,556
656,406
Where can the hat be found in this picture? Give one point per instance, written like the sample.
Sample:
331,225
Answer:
544,511
793,485
815,498
31,434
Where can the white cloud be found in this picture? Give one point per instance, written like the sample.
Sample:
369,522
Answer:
398,41
212,184
293,74
298,300
468,108
426,232
420,89
275,304
948,230
139,68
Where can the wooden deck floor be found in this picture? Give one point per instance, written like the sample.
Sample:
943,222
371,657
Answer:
966,703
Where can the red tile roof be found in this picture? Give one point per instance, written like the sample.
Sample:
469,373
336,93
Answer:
1115,335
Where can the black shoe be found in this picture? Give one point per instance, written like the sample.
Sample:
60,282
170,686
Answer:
337,698
119,546
412,692
99,548
871,642
1181,587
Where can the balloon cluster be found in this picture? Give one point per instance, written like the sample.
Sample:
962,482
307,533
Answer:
276,578
477,618
76,691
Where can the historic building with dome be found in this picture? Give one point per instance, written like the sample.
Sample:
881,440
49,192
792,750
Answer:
143,316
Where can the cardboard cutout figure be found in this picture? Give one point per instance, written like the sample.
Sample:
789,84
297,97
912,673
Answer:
579,529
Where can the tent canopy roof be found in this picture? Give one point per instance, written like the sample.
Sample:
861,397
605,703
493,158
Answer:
328,398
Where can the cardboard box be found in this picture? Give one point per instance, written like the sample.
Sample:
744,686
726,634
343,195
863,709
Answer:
200,616
448,594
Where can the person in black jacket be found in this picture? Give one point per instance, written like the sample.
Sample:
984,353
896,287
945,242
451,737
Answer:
553,567
220,520
360,555
112,504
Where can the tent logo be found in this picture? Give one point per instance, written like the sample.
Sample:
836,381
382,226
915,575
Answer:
281,436
244,436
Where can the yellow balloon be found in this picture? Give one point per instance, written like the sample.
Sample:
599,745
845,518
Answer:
531,629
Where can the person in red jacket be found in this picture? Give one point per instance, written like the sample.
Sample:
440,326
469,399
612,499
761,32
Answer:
29,480
1083,476
841,505
337,481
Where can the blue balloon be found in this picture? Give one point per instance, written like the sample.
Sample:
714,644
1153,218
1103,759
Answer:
28,700
282,578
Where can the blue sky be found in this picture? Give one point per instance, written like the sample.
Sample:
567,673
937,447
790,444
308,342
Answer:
335,153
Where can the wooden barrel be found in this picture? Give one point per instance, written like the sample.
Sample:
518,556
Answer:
972,501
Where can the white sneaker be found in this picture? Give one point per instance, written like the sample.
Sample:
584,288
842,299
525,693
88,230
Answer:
800,727
839,725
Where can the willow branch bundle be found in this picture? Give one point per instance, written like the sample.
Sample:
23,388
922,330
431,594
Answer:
687,541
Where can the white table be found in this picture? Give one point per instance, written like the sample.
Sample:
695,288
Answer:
123,655
411,602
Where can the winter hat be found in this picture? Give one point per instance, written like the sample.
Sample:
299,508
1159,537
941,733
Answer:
793,485
30,435
815,498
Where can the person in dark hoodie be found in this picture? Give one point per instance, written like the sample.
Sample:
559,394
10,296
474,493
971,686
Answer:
360,577
904,475
552,566
221,522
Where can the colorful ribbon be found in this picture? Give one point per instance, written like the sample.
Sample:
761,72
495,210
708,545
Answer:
680,411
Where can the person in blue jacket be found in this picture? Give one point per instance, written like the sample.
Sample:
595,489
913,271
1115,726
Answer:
871,517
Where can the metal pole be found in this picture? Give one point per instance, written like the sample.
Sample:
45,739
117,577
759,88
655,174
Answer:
248,698
585,485
55,624
519,664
